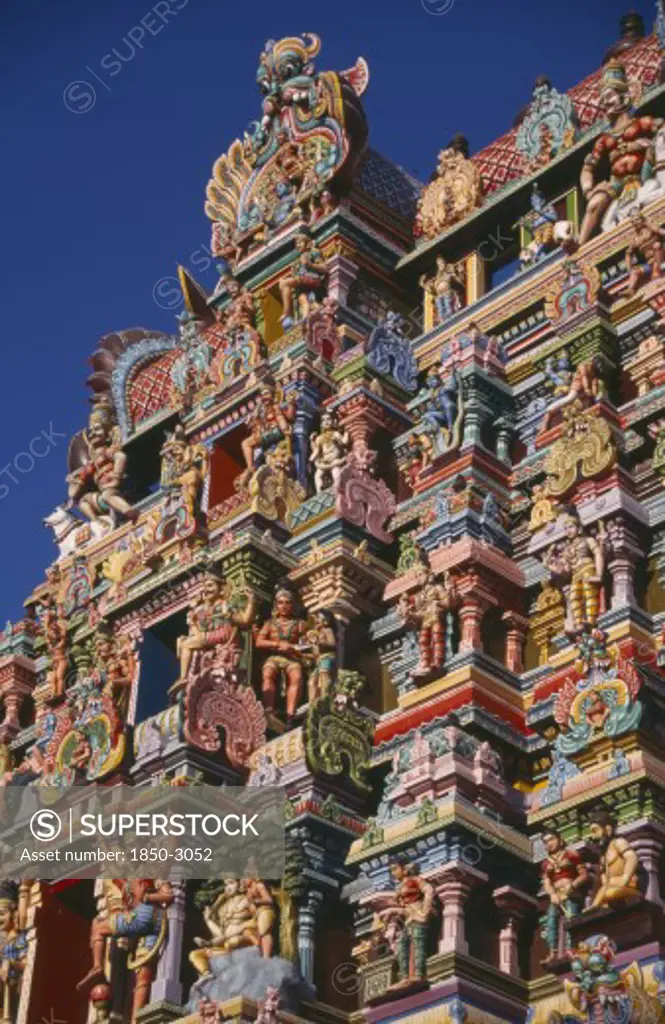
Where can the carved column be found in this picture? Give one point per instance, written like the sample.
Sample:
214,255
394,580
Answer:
513,907
307,933
471,614
504,435
648,846
17,680
453,887
517,628
625,551
342,272
166,986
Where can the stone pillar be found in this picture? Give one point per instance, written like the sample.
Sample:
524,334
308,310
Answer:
648,846
167,987
307,934
341,275
622,571
453,886
517,628
513,907
471,615
473,425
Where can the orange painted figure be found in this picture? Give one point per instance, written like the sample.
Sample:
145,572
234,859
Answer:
628,145
134,913
283,636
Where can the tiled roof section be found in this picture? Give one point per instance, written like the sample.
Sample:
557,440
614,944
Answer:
389,184
151,385
500,163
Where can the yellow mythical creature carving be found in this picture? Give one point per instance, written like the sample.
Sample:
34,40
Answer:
586,449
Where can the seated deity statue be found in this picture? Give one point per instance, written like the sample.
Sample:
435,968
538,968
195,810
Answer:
619,863
241,915
213,624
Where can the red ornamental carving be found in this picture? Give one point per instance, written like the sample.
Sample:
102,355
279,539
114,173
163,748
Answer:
214,703
360,497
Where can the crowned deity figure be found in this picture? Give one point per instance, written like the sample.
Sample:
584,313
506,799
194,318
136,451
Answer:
584,383
428,609
270,423
96,483
132,916
628,144
114,662
214,624
404,921
323,640
184,465
619,863
300,288
13,947
645,252
54,624
239,913
328,454
283,635
566,881
580,561
445,287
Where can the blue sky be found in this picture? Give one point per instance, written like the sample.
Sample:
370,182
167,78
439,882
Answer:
106,156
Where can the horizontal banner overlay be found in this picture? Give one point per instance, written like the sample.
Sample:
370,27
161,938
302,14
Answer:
169,831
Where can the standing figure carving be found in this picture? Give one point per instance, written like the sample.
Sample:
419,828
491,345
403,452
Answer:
13,947
283,636
132,916
428,609
329,451
446,289
579,561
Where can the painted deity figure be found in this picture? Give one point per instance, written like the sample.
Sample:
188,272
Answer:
189,372
323,640
585,383
96,484
445,287
270,423
565,881
114,662
241,914
132,916
13,948
645,253
300,288
442,411
619,863
283,635
405,922
184,465
579,560
213,623
628,144
55,634
428,609
328,453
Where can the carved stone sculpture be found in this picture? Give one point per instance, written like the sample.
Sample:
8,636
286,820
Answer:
328,452
579,561
455,192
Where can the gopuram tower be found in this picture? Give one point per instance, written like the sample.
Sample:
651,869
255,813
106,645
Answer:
381,522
